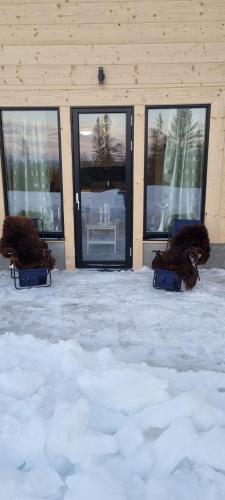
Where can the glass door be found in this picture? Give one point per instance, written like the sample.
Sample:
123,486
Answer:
102,186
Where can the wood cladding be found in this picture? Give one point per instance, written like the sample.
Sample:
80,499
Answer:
108,12
116,33
59,44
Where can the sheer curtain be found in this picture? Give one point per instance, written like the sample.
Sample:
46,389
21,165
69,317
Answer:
183,162
174,181
26,147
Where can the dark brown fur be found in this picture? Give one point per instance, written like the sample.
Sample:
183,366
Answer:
21,243
187,249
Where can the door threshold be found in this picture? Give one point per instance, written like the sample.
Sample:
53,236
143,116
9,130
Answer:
105,269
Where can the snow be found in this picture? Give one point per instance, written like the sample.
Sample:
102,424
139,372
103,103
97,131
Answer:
161,416
137,388
179,438
93,401
97,484
122,310
129,438
210,448
186,484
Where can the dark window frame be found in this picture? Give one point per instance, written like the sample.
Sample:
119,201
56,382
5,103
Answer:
47,234
129,110
164,235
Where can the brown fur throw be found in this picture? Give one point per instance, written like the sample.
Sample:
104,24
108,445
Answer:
21,243
187,249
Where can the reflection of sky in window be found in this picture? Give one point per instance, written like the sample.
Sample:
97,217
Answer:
198,115
87,123
41,127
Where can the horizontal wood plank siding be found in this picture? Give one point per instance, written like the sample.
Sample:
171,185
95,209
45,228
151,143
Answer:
71,75
107,12
116,33
209,52
108,96
190,3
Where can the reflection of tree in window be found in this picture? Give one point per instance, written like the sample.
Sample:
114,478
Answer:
184,151
10,172
175,166
104,168
106,150
157,144
32,163
27,174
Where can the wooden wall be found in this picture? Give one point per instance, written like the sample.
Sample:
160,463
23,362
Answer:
153,52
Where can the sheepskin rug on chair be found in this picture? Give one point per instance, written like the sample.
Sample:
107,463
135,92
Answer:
189,248
20,243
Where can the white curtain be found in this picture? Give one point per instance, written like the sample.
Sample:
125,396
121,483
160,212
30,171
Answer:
26,136
182,170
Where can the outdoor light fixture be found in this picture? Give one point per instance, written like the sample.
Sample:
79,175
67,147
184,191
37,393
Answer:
101,75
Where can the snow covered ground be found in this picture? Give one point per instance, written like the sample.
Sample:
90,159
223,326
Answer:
100,422
122,310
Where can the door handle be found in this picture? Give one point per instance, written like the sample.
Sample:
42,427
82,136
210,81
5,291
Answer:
77,201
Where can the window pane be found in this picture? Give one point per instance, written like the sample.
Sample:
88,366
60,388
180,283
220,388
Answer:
102,142
31,149
175,161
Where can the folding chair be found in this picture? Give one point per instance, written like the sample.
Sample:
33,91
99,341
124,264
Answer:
28,278
163,278
37,277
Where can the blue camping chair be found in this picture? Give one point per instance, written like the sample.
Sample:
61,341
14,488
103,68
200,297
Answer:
28,278
163,278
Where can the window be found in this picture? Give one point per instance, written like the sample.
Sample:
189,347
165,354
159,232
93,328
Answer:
175,166
31,164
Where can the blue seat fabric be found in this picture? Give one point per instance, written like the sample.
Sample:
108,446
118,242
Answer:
32,277
166,280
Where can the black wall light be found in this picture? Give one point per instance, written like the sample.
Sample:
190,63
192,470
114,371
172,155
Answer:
101,75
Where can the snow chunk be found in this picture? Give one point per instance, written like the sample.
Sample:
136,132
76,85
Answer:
141,462
22,441
70,437
20,383
44,481
210,448
10,481
212,478
126,390
74,359
84,425
164,414
104,420
173,445
208,416
31,440
129,438
182,485
37,484
97,484
136,488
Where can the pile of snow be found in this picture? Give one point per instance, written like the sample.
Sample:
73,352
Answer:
123,311
83,425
